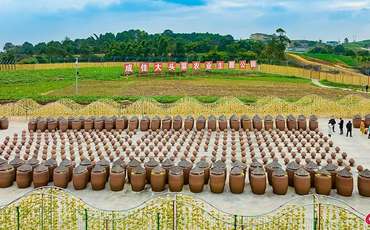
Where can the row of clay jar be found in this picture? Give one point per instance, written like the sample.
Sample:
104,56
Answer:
167,123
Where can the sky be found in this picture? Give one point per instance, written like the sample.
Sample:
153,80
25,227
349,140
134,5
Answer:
45,20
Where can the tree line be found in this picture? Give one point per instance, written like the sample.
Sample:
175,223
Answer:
138,43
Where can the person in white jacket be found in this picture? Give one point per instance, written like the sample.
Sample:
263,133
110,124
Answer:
330,129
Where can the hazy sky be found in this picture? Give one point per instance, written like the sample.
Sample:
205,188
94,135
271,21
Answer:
45,20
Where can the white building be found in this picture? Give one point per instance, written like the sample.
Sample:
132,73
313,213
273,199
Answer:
332,43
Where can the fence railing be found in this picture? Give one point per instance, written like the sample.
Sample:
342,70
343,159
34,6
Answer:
55,208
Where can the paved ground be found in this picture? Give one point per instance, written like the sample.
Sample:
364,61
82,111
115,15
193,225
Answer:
247,203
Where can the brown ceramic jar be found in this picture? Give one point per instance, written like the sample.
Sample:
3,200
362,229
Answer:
167,123
291,168
86,162
253,166
7,175
280,123
312,168
268,123
16,162
344,183
131,165
80,177
69,165
196,180
176,179
236,180
88,124
257,123
201,123
222,123
61,176
212,125
313,123
158,179
258,181
40,176
63,125
291,122
323,182
51,164
280,182
333,169
109,124
133,123
144,123
117,178
32,125
363,183
177,123
186,167
156,123
217,180
234,123
206,168
103,162
246,122
149,166
167,165
24,176
270,169
302,182
98,177
302,122
138,179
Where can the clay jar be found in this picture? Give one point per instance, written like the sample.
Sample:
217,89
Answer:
323,182
280,182
98,124
156,123
98,177
217,180
234,123
176,179
258,181
51,164
367,120
257,122
138,179
241,165
149,166
313,124
80,177
246,122
24,176
253,166
61,176
33,162
311,167
291,122
88,124
333,169
196,180
82,120
222,123
291,168
16,162
42,125
222,165
133,123
158,179
186,167
189,122
76,124
144,123
117,178
69,165
167,123
201,123
302,122
131,165
86,162
70,121
120,124
344,183
63,125
236,180
7,175
121,163
32,125
363,183
270,169
109,124
177,123
167,165
40,176
206,168
280,122
212,125
103,162
52,125
302,182
356,121
268,122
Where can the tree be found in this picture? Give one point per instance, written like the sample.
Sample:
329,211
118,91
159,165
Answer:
346,40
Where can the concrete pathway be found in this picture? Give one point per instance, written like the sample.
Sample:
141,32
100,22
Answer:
316,82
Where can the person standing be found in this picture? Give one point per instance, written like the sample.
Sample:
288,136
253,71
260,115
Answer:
362,87
349,128
330,132
341,124
362,127
367,87
368,131
332,122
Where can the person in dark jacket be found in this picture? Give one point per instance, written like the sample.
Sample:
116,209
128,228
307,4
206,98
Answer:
367,88
349,128
341,124
332,122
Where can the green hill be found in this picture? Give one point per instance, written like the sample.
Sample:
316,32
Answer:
360,44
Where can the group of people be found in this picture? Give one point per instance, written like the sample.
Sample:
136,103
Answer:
332,122
366,87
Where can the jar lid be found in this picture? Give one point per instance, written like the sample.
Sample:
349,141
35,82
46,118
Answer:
60,118
167,163
92,118
61,169
24,168
202,164
50,162
119,162
98,168
279,172
291,118
71,118
33,161
313,118
268,118
145,118
41,168
32,121
222,118
367,116
63,121
4,118
81,118
134,163
331,167
66,162
124,118
323,171
258,171
114,117
6,167
16,161
177,118
217,171
166,118
234,118
274,164
301,117
302,172
138,170
2,161
156,118
158,169
212,118
237,163
256,118
311,165
176,170
85,162
245,118
103,118
219,164
80,169
236,171
117,169
280,118
201,118
196,171
357,116
152,163
256,164
134,118
103,162
345,173
184,164
365,173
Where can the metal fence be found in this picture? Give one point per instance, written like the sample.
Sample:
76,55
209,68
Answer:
55,208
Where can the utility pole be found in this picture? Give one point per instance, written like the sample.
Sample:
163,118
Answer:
76,76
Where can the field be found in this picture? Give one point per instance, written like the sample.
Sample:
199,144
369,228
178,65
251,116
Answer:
336,59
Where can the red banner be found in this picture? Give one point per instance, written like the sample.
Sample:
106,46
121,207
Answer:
158,66
231,65
183,66
220,65
144,67
196,65
208,65
171,66
128,68
242,64
253,64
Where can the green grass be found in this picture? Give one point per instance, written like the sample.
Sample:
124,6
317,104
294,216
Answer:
336,59
359,44
340,85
